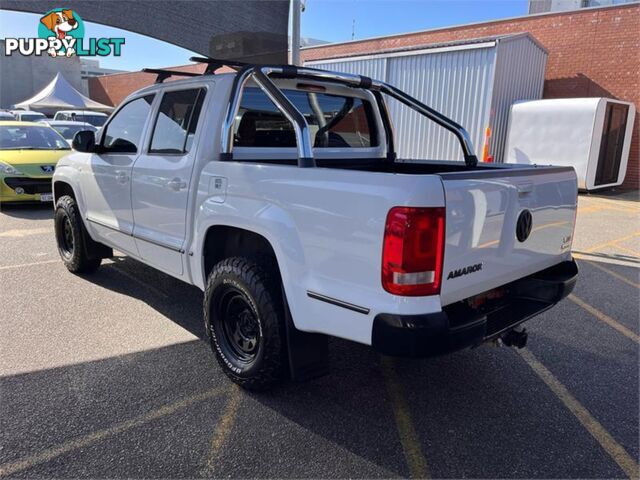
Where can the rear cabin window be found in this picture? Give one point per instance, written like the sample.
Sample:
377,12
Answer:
176,121
335,121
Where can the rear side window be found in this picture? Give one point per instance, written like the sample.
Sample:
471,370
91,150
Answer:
335,121
176,121
124,131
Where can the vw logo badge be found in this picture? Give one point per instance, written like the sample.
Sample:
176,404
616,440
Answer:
47,168
524,224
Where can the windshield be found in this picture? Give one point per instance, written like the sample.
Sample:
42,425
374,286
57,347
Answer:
31,117
69,131
31,138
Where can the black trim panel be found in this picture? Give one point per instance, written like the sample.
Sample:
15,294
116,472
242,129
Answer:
107,226
338,303
137,237
158,244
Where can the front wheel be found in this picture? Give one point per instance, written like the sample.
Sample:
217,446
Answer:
72,239
244,317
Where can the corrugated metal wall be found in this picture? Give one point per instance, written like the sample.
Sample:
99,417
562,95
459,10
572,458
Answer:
459,82
370,67
454,83
519,75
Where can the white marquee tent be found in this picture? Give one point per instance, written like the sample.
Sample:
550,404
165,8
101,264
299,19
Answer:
61,95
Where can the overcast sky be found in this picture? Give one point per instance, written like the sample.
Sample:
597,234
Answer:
330,20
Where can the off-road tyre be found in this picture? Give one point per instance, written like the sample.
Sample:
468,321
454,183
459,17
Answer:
241,293
79,253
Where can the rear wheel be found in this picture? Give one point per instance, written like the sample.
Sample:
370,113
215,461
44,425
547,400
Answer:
244,316
74,243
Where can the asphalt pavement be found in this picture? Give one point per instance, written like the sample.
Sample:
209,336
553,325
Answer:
108,375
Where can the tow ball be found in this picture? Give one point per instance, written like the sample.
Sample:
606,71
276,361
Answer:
512,338
515,338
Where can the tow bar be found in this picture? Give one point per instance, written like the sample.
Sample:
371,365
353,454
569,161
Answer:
512,338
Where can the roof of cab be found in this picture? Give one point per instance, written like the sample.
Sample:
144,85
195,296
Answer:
83,112
16,123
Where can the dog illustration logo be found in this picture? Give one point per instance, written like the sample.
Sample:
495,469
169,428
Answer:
66,26
61,34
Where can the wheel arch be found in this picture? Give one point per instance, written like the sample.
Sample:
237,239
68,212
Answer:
224,241
61,188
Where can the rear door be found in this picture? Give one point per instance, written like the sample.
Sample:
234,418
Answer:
162,177
504,224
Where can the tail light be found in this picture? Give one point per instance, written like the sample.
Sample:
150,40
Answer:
413,251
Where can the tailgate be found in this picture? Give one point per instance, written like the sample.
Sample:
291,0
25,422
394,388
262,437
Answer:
486,213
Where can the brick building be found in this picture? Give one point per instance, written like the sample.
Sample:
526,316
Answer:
592,52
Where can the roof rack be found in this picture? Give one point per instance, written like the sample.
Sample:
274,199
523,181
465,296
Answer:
164,74
212,65
215,63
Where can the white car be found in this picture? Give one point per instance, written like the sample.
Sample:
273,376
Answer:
96,119
4,116
69,129
28,115
276,190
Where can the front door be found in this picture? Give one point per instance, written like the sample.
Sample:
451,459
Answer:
106,185
161,181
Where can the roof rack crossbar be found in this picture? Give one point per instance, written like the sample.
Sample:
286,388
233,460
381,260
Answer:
162,74
215,63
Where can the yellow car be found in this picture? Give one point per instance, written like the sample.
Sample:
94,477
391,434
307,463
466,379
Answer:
29,153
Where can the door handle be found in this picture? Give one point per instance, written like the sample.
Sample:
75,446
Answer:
121,176
177,184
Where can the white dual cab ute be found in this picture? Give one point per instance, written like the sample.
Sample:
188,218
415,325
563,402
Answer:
277,191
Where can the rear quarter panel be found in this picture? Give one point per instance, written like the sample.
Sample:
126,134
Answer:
326,227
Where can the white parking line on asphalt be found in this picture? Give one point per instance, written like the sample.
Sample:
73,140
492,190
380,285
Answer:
222,430
595,264
603,317
32,264
588,421
91,438
25,232
416,461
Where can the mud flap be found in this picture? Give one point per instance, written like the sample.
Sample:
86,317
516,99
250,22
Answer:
308,352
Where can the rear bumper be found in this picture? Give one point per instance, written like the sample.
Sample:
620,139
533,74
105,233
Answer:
458,326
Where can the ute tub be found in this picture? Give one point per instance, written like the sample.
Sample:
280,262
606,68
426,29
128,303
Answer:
458,326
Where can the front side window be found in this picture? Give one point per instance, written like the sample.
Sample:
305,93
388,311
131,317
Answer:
335,121
176,121
124,132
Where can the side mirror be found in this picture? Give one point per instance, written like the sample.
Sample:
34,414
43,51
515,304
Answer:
84,141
